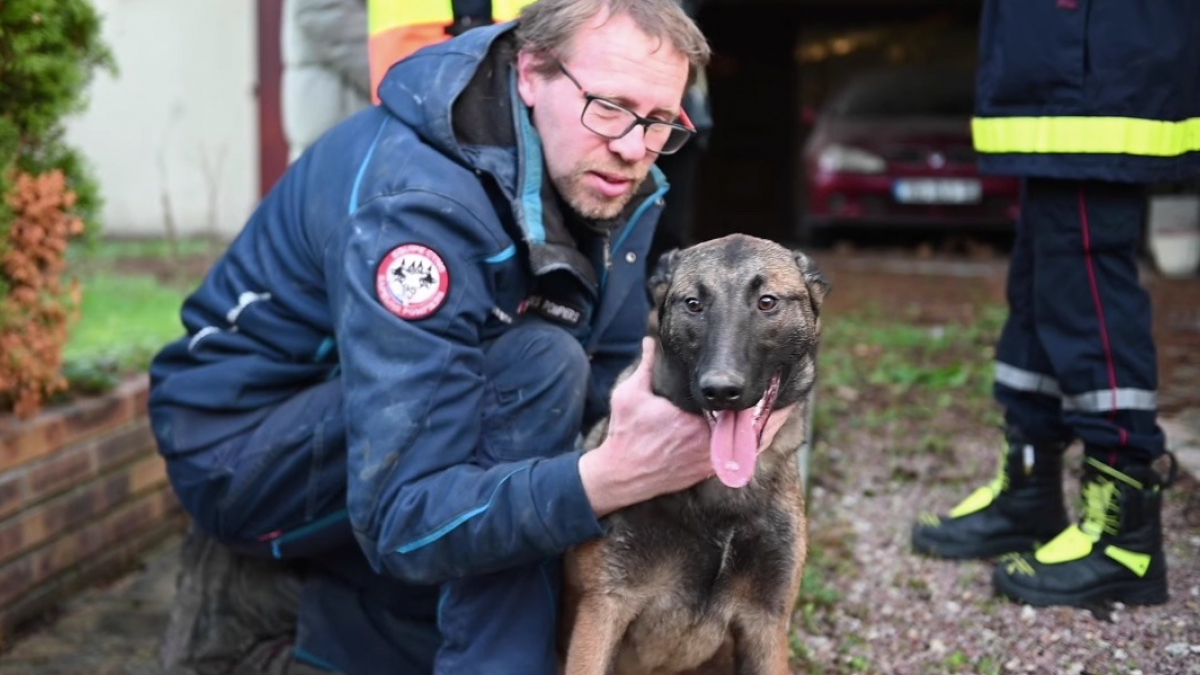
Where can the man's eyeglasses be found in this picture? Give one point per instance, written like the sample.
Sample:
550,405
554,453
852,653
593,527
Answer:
605,118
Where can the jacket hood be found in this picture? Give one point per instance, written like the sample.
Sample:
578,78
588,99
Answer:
424,90
460,97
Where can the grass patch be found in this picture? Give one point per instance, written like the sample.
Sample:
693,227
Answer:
132,293
891,374
124,320
871,348
115,250
829,557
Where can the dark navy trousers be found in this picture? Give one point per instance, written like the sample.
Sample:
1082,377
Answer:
1076,359
273,483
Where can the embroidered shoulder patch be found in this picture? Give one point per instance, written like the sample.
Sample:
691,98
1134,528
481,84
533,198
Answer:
411,281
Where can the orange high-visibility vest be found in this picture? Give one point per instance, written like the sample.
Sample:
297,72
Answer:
398,28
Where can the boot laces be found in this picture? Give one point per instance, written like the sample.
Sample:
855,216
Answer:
1016,563
1101,512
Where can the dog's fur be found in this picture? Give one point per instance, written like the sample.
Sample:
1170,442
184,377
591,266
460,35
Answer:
711,571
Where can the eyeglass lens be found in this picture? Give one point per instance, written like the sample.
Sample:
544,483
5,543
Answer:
611,121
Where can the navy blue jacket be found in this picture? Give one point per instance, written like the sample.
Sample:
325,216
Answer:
1090,89
449,162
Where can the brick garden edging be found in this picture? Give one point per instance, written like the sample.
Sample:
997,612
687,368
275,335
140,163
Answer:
83,493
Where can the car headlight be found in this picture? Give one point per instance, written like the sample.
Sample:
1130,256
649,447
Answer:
846,159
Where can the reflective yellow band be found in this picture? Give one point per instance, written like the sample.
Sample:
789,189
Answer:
503,10
1137,563
1070,544
976,501
1101,135
385,14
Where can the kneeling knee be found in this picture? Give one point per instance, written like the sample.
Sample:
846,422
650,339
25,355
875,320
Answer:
540,350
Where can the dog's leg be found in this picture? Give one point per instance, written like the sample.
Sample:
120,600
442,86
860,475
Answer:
600,624
760,645
595,620
761,633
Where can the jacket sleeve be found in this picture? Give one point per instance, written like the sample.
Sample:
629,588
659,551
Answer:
336,31
422,508
616,349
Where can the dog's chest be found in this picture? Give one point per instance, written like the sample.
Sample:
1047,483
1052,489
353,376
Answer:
688,572
699,560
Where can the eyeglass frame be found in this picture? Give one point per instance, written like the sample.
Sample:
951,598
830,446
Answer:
638,120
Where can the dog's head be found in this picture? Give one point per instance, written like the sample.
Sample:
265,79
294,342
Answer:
737,321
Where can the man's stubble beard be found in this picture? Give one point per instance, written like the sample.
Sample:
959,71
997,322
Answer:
587,203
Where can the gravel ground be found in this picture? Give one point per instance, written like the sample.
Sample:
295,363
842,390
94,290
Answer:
897,612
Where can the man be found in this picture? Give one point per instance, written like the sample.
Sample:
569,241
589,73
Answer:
393,361
1088,101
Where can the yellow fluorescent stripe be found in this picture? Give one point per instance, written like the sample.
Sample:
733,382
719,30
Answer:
385,14
1137,563
1070,544
978,500
1102,135
503,10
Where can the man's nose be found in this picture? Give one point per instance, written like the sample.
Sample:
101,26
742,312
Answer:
632,146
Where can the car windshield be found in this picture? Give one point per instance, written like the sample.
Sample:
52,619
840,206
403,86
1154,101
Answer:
923,93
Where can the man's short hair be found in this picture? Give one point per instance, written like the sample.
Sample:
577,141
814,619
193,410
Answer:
547,27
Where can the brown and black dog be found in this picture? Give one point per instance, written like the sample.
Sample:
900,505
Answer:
713,570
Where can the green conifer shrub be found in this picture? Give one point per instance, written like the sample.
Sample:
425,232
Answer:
49,50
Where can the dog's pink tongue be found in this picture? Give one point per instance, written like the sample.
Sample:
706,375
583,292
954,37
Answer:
734,447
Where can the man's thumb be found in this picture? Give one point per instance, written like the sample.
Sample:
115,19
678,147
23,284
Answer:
646,363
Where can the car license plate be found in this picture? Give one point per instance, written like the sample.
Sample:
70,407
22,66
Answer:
937,191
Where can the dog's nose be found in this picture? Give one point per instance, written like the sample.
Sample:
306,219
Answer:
721,389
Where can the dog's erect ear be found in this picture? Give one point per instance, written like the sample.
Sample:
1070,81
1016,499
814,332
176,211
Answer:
660,278
818,287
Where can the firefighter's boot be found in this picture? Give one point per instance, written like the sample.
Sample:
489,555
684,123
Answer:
1021,508
1114,553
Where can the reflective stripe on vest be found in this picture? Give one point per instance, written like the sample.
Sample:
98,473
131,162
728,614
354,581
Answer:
398,28
1086,135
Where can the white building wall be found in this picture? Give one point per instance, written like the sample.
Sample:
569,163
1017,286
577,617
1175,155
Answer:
173,136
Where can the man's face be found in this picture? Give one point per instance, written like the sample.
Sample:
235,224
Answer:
613,60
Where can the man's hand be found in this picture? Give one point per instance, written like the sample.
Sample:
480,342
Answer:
652,447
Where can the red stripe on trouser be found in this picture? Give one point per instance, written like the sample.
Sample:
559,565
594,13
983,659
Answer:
1108,356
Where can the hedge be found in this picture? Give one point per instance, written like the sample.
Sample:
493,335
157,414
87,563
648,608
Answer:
49,51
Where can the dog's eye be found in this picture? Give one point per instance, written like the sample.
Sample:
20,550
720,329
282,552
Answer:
767,303
693,305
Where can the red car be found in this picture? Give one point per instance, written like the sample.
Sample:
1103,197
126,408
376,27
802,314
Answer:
892,148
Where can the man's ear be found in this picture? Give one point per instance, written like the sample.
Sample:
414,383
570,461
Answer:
814,281
528,78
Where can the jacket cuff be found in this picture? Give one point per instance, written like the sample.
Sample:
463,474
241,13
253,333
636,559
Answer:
566,512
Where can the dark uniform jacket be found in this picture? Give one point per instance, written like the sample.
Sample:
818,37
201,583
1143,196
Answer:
1090,89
